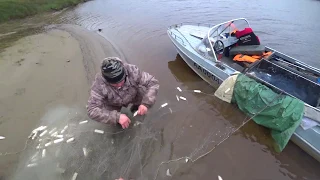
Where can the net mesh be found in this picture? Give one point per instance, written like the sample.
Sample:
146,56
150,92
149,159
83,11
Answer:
69,146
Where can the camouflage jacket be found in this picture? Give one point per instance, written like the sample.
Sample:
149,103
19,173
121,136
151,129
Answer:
105,101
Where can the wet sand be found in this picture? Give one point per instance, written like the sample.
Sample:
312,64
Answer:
42,71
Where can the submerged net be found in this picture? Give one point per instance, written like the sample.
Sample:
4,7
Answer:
69,146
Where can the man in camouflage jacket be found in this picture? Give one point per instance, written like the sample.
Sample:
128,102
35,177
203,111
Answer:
118,85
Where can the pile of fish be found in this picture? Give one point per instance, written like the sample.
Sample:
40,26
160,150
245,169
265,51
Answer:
46,137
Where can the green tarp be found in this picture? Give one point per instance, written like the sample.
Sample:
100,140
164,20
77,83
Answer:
280,113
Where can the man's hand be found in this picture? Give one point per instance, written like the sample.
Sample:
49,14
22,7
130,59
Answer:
124,121
142,110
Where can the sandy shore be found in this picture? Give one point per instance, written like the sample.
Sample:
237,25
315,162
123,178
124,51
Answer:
40,72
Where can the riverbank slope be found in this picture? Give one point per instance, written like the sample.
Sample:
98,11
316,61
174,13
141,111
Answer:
40,72
14,9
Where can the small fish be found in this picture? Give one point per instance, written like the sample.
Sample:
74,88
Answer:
197,91
2,137
183,98
32,165
168,173
220,178
34,135
137,123
99,131
227,90
74,177
164,105
30,136
58,141
43,133
38,147
54,134
187,160
43,153
64,129
85,152
41,128
179,89
52,130
35,155
170,110
48,144
83,122
135,114
70,140
177,98
59,136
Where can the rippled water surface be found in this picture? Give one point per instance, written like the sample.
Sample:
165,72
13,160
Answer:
138,28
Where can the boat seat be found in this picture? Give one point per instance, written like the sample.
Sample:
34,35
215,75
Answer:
248,50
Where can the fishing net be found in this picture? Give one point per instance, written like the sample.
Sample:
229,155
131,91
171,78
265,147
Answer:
173,135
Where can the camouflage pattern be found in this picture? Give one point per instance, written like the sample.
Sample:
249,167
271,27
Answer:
105,101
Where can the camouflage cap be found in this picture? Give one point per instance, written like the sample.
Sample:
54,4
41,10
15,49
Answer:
113,70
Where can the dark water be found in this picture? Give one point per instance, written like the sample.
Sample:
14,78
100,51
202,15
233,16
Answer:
138,28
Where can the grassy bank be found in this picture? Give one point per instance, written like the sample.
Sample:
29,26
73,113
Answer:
13,9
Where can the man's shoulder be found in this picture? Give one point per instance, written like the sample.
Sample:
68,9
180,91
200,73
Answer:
130,67
99,82
98,78
132,71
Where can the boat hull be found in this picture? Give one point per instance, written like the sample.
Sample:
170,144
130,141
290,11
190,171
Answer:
207,75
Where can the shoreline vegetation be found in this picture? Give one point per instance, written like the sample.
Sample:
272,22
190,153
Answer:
17,9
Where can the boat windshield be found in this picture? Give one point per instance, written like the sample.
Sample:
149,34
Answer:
221,36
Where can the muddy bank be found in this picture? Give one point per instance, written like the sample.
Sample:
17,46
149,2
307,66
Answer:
42,71
14,9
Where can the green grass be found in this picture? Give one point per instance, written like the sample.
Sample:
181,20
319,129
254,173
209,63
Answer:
13,9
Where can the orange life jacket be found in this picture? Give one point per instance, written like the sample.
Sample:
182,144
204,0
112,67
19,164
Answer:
251,59
244,58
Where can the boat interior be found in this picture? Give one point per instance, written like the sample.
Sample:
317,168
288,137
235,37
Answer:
234,43
220,43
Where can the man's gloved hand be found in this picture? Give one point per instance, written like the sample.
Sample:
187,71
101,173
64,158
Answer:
124,121
142,110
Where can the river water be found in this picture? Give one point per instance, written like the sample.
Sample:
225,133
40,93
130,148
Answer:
138,30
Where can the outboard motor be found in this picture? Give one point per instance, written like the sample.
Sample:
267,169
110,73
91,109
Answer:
247,37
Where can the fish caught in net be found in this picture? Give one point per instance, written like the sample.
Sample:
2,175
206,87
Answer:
67,145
